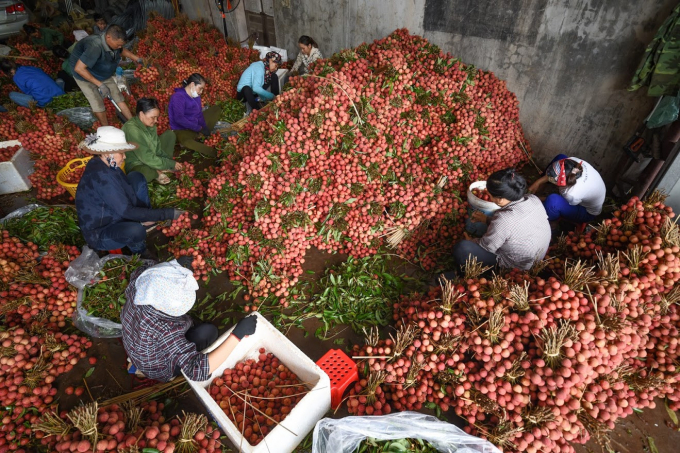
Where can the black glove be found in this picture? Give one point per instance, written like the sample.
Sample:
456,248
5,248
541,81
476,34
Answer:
245,327
186,261
176,213
205,131
104,91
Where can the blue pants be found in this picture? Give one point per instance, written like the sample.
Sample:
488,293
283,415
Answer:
128,233
559,208
21,98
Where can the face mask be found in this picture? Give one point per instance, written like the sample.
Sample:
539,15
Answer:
111,161
193,94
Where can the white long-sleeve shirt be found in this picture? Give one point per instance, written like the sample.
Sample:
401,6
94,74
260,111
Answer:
305,60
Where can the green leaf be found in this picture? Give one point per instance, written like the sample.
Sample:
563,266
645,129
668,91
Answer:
89,372
652,445
310,272
671,414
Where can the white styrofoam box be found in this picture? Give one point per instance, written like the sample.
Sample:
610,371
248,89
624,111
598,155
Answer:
301,420
280,51
263,52
14,173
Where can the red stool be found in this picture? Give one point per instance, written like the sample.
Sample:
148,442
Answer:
342,371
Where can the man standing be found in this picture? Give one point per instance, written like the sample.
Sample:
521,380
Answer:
94,61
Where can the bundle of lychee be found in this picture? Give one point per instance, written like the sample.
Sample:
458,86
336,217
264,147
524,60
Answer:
29,364
536,363
257,395
125,428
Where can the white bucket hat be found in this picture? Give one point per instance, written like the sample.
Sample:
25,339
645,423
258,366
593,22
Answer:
167,287
107,140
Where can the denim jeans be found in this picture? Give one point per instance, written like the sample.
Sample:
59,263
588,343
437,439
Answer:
127,233
21,98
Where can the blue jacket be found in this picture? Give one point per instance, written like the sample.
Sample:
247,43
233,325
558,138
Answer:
105,197
253,77
185,112
33,81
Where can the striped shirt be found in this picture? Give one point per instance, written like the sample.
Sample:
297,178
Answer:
305,60
157,343
519,233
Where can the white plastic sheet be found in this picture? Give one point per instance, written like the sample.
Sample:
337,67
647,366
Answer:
84,271
344,435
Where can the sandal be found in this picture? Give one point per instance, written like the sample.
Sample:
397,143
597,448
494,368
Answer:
163,179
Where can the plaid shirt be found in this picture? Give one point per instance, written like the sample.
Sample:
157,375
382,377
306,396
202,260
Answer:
156,342
519,233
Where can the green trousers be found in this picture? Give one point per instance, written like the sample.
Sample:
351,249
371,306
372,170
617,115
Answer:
188,138
168,140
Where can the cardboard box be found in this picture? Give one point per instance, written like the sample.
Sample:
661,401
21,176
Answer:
14,173
301,419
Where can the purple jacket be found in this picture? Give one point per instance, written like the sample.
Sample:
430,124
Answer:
185,112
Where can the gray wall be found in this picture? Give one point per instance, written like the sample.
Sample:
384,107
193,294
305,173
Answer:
207,10
568,61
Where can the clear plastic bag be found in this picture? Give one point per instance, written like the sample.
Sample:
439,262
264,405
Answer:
344,435
20,212
84,271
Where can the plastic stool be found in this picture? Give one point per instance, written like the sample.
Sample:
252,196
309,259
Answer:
342,371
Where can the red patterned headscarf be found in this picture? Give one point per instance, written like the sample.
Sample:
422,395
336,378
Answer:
271,56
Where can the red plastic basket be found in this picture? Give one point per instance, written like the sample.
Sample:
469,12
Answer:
341,370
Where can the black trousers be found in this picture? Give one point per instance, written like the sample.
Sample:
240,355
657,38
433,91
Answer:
250,97
69,82
465,250
202,335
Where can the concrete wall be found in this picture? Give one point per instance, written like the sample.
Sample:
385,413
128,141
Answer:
207,9
568,61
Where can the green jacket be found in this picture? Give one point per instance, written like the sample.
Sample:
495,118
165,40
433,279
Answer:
48,38
659,70
149,152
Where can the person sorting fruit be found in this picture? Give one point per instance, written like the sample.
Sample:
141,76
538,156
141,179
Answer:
160,338
114,208
309,53
93,62
35,85
518,233
187,117
259,77
44,36
154,155
581,190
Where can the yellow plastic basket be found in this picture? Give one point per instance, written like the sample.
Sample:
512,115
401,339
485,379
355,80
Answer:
72,166
67,170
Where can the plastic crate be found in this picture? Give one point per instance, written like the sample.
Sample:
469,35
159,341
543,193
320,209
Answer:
301,419
342,370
